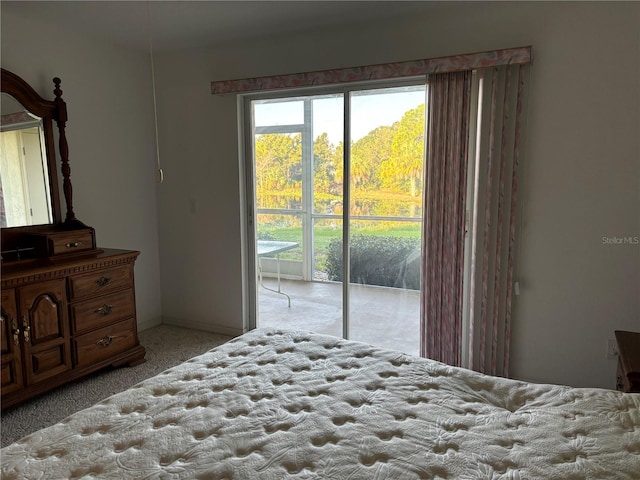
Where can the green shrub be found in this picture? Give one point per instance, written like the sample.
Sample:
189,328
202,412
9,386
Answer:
384,261
266,236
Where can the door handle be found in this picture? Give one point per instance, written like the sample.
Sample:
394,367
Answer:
27,330
16,332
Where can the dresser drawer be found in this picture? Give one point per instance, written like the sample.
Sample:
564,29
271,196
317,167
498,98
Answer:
64,242
100,311
70,242
93,347
101,281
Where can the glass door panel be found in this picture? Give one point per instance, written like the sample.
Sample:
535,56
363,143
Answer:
386,159
299,165
279,206
298,174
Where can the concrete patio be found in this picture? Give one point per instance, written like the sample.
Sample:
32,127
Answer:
388,317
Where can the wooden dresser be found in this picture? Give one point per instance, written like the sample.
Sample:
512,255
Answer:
64,319
68,307
628,361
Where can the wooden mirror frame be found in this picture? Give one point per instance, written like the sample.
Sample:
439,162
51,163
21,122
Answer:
49,111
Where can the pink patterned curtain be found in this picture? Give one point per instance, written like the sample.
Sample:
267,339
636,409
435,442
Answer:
494,217
471,173
444,215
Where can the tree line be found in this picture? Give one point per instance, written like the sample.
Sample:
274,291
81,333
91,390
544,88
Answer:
388,159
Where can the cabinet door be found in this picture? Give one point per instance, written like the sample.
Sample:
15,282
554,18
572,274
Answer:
45,328
10,334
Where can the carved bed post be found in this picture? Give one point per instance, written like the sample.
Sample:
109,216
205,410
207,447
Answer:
61,120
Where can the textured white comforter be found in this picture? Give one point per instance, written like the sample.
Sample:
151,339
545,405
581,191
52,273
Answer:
280,404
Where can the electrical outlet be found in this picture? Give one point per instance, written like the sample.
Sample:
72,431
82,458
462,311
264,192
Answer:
612,349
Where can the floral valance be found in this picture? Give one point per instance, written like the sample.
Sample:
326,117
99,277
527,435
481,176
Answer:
470,61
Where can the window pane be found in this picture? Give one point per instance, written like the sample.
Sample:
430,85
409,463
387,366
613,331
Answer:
328,134
327,249
386,253
278,164
268,113
387,157
282,228
328,112
385,284
387,152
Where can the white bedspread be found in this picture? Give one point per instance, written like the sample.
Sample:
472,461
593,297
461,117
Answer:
280,404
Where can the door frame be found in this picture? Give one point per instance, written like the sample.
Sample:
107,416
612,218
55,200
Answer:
247,187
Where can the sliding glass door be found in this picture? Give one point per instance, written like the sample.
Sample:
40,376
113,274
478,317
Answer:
312,203
385,198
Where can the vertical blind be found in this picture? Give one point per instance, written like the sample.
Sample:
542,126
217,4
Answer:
494,217
471,326
444,210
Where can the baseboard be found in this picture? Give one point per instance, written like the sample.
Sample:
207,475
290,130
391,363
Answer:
146,325
204,326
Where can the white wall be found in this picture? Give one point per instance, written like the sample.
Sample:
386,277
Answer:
111,138
582,168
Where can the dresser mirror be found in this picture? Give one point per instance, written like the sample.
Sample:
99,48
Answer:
31,215
25,197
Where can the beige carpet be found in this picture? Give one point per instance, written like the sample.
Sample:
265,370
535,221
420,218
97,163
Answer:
166,346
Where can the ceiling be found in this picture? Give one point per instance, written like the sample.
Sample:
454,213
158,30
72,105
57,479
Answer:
183,24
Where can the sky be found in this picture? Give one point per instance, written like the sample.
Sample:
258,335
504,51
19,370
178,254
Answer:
369,110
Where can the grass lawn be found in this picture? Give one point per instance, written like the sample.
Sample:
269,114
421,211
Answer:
324,235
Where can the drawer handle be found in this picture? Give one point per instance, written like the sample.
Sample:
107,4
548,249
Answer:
103,281
106,341
104,310
73,244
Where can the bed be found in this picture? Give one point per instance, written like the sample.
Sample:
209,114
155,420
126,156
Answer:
275,404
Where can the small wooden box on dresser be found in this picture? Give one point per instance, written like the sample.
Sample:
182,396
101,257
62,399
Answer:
62,320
